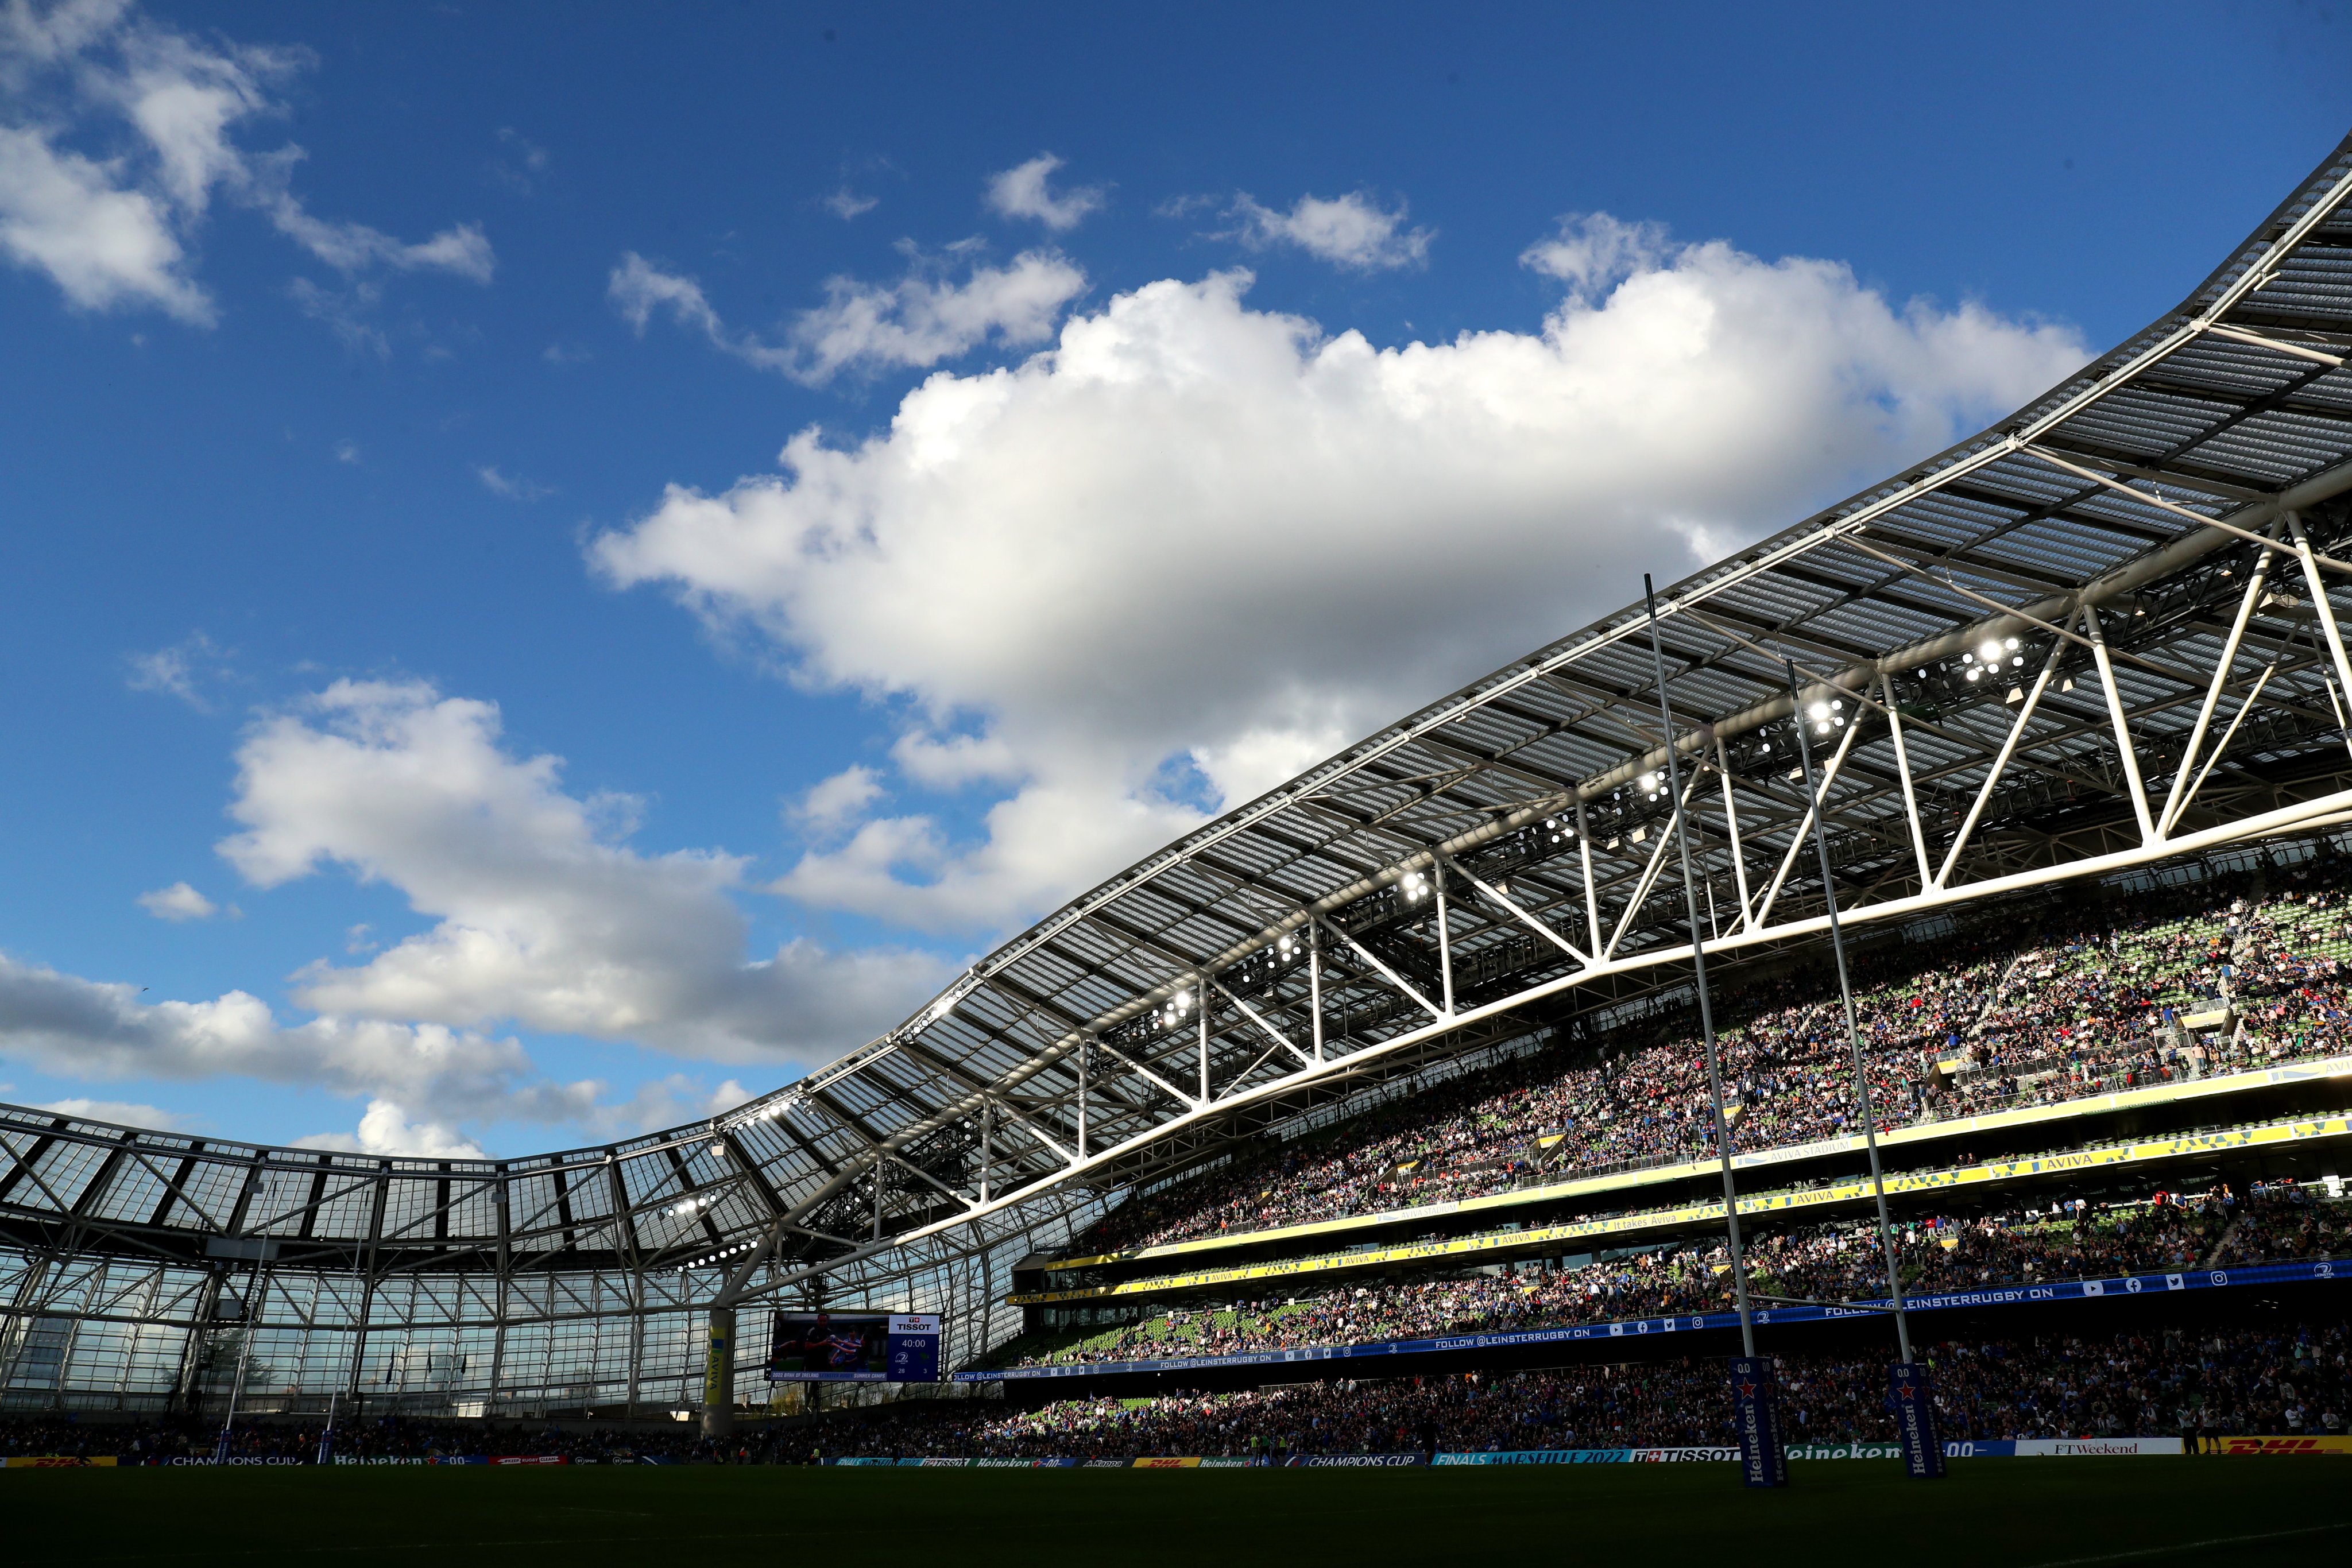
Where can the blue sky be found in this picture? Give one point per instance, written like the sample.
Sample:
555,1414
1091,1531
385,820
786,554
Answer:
400,532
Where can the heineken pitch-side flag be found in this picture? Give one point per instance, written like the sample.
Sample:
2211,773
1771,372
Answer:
1762,1462
1914,1420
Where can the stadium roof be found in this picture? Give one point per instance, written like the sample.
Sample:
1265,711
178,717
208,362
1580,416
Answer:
1287,950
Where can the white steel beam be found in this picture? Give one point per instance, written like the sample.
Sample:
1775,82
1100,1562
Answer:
2130,759
1512,908
1903,772
1999,765
2223,666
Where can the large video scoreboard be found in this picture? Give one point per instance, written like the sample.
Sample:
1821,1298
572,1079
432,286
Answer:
855,1347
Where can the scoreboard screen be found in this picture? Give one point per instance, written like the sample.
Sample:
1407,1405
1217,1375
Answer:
855,1347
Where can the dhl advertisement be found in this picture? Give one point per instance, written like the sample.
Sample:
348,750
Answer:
2286,1445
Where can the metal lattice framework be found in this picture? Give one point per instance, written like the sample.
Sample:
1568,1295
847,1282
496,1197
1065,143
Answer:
2098,635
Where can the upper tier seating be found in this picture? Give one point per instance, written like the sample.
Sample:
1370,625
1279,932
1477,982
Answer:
2085,1003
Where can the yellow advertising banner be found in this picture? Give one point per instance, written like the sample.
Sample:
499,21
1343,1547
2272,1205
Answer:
2286,1445
1168,1464
57,1462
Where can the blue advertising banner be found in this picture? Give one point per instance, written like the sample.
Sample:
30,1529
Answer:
1761,1462
1914,1420
1688,1323
854,1347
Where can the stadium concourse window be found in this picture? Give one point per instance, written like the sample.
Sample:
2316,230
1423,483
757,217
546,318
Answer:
2077,998
2073,1239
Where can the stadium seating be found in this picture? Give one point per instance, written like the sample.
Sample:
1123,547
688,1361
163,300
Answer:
2175,985
1839,1261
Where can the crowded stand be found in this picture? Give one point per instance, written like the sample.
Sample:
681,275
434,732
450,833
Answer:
1835,1262
2182,1380
2085,1004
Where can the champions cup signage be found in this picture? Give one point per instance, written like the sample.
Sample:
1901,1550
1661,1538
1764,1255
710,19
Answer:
1761,1461
1914,1420
855,1347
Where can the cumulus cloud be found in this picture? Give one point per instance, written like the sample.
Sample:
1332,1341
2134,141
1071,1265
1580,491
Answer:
843,798
386,1129
178,902
545,917
121,133
422,1084
65,1024
1022,191
1353,231
917,321
60,214
1196,547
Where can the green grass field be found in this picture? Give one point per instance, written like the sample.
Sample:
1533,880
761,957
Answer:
2211,1511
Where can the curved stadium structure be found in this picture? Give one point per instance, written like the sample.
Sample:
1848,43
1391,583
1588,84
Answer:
2094,647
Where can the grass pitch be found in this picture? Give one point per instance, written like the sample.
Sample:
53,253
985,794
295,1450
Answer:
2211,1512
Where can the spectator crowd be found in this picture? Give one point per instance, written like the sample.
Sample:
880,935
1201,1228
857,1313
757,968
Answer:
2286,1381
2079,1003
1835,1262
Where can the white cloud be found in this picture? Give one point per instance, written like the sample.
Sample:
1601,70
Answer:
1196,546
1593,252
121,1112
384,1129
917,321
840,799
61,214
182,670
64,1024
847,205
513,489
347,452
543,917
178,902
1021,192
1351,231
422,1083
112,228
